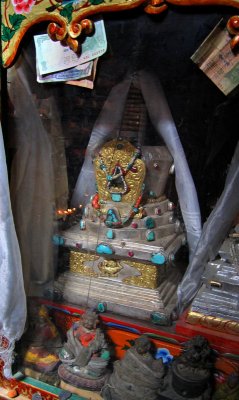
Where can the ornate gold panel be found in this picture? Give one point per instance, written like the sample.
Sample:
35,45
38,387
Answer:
149,277
96,267
77,263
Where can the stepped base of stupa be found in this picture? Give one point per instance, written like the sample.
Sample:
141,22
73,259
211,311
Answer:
132,301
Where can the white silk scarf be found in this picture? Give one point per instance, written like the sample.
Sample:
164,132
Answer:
12,294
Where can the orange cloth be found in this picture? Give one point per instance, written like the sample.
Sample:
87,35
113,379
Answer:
86,339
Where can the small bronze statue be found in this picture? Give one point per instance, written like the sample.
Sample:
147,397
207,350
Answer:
41,342
85,355
191,373
138,376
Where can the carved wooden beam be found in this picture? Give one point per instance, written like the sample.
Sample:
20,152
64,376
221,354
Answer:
69,18
233,29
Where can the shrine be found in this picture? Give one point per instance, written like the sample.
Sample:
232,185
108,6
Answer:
119,200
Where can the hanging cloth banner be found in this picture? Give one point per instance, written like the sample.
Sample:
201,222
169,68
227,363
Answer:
12,295
162,120
108,125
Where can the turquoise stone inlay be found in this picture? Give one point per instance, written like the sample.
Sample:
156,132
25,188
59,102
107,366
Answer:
160,319
58,240
150,236
111,217
101,307
158,258
110,234
150,223
104,248
116,197
82,224
152,194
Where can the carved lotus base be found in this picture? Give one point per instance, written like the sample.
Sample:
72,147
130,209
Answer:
80,382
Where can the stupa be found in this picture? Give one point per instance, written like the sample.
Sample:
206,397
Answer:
123,248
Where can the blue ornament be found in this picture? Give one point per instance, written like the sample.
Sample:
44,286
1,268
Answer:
111,217
158,258
104,248
109,178
116,197
101,307
58,240
150,236
160,319
164,355
110,234
82,224
149,223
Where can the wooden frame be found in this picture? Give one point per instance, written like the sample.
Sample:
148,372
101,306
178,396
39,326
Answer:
69,19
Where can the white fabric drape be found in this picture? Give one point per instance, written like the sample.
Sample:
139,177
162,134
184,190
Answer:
12,295
38,176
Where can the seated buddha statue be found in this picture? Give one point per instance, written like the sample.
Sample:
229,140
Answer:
85,354
41,342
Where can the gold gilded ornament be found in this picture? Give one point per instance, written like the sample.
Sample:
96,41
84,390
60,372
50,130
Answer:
149,275
140,214
109,267
114,174
78,260
211,322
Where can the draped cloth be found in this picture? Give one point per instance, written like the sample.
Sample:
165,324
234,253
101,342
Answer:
12,294
38,186
38,175
108,124
214,232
